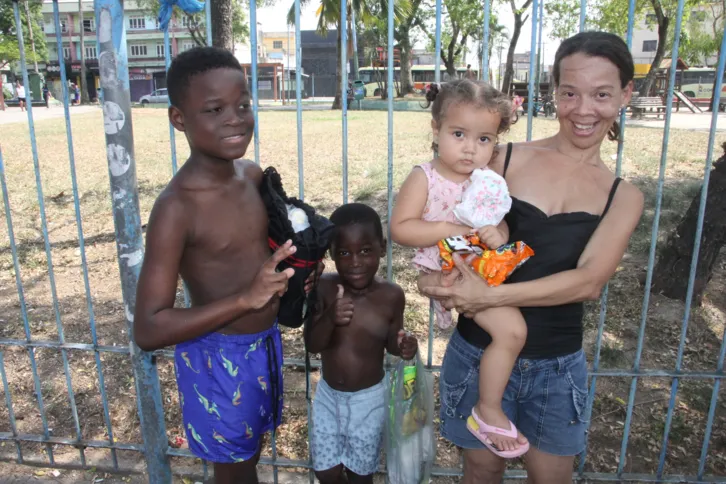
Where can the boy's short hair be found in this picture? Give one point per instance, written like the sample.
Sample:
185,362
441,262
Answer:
193,62
357,213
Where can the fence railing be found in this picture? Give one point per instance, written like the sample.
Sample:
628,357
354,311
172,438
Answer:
113,62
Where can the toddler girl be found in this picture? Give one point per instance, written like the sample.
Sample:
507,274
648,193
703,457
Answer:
448,203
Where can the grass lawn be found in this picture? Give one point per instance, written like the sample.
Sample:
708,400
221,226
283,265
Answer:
367,162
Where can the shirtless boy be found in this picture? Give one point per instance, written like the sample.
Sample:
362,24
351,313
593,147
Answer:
209,225
359,316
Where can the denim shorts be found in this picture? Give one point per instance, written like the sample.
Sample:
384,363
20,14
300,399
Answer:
546,399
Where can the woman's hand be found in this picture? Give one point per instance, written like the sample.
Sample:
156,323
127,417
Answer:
468,295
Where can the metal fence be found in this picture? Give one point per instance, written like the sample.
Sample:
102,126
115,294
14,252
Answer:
155,449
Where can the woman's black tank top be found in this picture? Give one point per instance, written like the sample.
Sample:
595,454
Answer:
558,242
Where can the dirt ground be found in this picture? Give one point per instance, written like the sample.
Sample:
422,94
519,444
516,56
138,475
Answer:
323,173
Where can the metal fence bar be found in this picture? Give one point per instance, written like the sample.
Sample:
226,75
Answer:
43,221
697,240
298,97
484,68
344,89
719,367
437,61
654,239
530,93
81,246
583,15
389,241
604,297
11,413
208,21
113,66
255,94
172,133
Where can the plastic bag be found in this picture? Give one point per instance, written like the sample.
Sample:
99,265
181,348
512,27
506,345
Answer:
409,436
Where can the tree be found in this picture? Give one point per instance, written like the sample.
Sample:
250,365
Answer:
519,19
465,19
9,50
402,35
237,29
498,34
670,275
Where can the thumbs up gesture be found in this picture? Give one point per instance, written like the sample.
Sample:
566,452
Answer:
343,308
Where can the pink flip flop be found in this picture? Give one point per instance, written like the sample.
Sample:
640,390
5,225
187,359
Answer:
480,429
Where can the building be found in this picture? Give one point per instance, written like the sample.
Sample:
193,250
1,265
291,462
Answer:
277,47
319,60
144,44
645,35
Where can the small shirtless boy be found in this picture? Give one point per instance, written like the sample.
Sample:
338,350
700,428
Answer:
358,316
209,225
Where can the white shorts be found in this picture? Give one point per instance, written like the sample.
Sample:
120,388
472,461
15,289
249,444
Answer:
348,428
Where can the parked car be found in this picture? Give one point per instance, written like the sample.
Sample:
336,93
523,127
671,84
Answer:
158,96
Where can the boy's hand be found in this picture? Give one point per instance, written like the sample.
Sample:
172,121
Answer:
407,345
268,281
343,308
491,236
314,275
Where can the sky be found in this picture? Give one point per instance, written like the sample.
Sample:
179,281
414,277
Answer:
273,19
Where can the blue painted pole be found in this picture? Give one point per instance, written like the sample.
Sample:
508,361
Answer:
389,243
172,133
23,310
604,297
81,242
698,236
255,97
298,98
583,14
437,61
344,89
113,67
484,68
719,368
654,237
208,20
531,95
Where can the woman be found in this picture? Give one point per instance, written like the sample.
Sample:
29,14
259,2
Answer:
20,91
578,218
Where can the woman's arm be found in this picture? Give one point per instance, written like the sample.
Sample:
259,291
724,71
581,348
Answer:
407,226
597,264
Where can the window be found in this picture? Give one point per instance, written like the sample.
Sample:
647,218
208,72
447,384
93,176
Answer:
138,51
66,52
277,44
64,27
159,50
91,52
186,46
137,23
186,21
89,25
651,18
650,45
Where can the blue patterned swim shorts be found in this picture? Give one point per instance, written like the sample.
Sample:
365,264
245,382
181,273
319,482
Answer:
230,392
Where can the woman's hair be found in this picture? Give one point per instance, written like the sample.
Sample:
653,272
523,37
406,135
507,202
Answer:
473,93
598,44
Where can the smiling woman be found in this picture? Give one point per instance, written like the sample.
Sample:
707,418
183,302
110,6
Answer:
577,217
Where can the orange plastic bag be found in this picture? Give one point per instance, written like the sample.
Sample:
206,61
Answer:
494,265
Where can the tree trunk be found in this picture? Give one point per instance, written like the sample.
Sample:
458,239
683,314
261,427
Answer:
84,79
32,39
509,69
338,101
717,85
222,13
670,276
663,23
406,77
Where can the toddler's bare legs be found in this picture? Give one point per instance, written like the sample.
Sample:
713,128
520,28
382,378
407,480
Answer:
508,330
